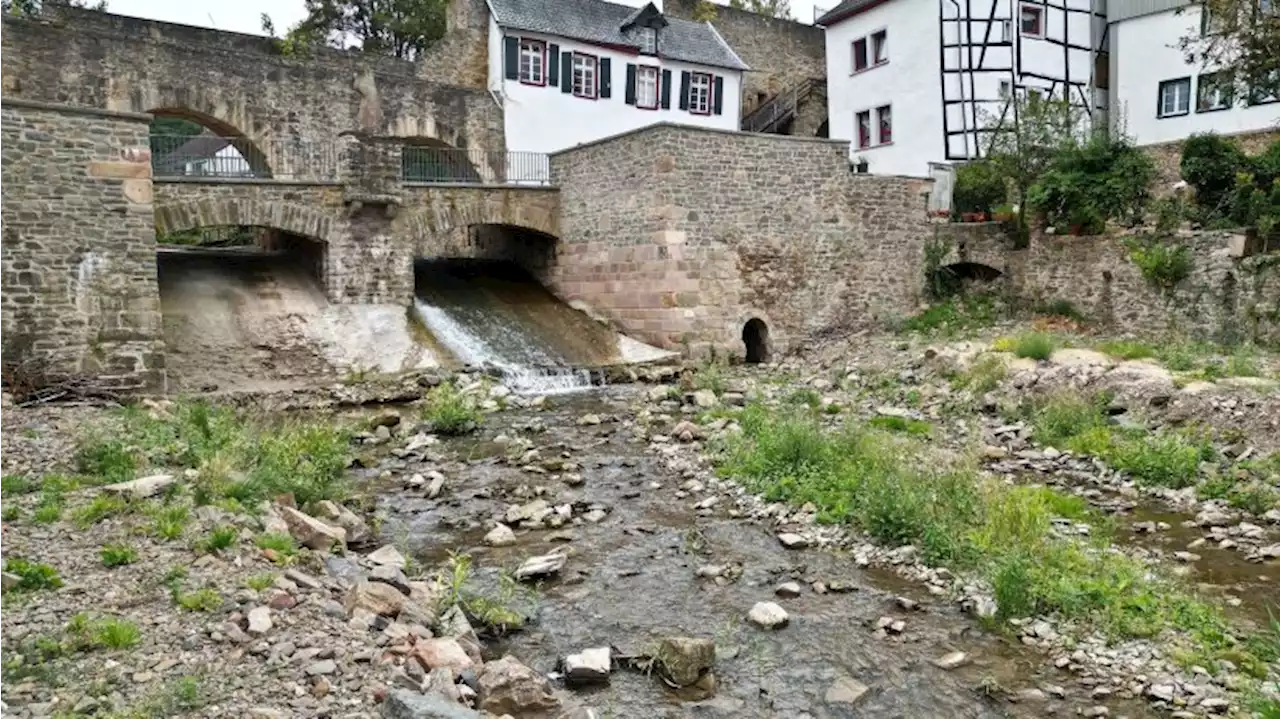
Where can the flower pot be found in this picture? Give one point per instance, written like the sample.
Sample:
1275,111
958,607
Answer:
1003,217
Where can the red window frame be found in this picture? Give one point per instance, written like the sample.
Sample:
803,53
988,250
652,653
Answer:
657,86
520,54
595,75
863,128
884,131
861,60
1023,8
711,88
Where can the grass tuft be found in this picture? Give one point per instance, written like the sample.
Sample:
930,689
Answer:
283,545
102,507
1127,349
219,539
450,412
169,523
201,600
1034,345
900,424
118,555
984,375
259,582
33,576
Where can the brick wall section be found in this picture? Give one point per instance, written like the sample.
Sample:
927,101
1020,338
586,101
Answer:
241,83
79,263
1168,157
780,53
1225,298
680,235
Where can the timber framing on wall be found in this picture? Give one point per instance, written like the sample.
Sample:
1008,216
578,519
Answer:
982,48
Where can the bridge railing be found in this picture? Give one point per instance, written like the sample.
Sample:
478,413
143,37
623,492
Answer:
472,166
210,156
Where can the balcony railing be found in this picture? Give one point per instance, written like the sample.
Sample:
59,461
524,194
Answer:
483,167
211,156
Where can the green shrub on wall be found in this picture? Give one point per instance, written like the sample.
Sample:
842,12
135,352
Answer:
1210,164
979,187
1090,183
1163,264
1233,189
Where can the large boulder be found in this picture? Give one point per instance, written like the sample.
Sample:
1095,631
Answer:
509,687
442,653
311,532
683,660
374,597
334,513
405,704
142,487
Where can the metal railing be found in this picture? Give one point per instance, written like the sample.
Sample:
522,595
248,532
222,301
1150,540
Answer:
778,108
210,156
482,167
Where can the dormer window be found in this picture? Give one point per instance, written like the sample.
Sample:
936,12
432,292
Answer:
647,38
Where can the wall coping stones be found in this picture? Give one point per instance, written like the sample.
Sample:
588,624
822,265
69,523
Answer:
710,130
245,181
74,109
480,186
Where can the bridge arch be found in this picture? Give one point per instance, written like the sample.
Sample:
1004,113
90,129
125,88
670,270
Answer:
170,154
287,216
467,208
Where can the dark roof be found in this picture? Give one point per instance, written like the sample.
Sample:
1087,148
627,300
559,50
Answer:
844,10
600,22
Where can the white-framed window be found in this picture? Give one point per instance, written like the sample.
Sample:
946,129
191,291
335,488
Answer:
1031,20
700,93
884,124
862,120
533,62
1213,92
584,76
647,79
871,50
1175,97
647,38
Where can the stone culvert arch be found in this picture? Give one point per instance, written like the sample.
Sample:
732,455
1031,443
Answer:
287,216
446,211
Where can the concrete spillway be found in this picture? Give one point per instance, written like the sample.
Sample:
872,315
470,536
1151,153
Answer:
252,320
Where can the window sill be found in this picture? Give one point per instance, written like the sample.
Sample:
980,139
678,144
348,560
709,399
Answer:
646,107
1033,35
1173,114
531,83
1207,110
868,68
875,147
585,97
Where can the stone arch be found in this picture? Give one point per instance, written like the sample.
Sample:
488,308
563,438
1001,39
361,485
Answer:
254,153
428,159
959,276
211,106
755,340
452,211
735,334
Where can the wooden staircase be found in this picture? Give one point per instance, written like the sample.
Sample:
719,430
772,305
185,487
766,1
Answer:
772,113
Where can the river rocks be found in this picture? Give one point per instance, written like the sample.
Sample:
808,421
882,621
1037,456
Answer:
787,590
951,660
768,615
375,598
321,668
311,532
508,687
683,660
705,399
590,666
541,566
1162,692
846,690
387,556
388,574
259,620
142,487
357,532
405,704
791,540
686,431
500,536
442,653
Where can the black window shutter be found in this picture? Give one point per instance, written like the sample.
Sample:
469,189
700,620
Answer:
566,71
717,104
666,89
606,78
553,65
511,51
630,92
684,90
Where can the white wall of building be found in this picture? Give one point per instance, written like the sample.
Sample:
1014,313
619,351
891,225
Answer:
1146,54
908,82
545,119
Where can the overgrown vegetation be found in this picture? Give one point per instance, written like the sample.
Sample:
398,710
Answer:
32,576
1233,189
1034,345
1086,184
979,187
492,609
117,555
1163,262
451,412
961,312
1003,533
239,457
985,374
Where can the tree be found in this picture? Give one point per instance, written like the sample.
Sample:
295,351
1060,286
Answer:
32,8
1240,38
771,8
399,28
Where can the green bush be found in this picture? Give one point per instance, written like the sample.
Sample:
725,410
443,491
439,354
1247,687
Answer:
450,412
979,187
1163,264
1210,164
1064,416
1088,184
32,575
1035,345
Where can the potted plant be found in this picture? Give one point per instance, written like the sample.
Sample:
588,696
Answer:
1003,213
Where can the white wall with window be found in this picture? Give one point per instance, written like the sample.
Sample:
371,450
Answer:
1161,97
567,92
882,86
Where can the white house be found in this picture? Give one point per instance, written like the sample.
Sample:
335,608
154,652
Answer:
572,71
1160,96
916,82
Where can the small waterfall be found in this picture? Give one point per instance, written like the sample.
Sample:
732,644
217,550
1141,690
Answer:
478,338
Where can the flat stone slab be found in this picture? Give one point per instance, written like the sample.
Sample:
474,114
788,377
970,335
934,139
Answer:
768,615
590,666
541,566
142,487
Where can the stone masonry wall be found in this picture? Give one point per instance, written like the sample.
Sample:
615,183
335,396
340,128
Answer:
79,258
241,84
779,52
1225,298
680,235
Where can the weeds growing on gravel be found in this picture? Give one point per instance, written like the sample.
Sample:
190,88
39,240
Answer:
1005,534
238,456
11,484
117,555
900,424
282,545
169,522
219,539
100,508
1127,349
114,633
984,375
33,576
1034,345
259,582
966,312
450,412
201,600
